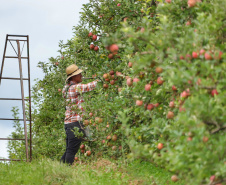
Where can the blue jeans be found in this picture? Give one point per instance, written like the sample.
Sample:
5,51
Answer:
72,142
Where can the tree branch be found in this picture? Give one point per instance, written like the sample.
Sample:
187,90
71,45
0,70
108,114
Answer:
214,131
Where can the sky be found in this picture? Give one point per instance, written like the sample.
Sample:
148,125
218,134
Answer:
46,22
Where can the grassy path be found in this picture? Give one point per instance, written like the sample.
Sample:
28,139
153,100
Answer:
100,172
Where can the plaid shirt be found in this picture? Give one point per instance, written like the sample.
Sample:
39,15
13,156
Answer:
72,92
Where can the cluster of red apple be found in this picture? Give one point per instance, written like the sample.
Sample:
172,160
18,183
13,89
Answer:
208,55
94,38
96,120
191,3
82,148
111,77
113,49
111,138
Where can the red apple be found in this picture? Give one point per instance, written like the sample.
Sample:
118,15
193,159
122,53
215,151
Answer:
139,102
194,54
202,51
220,55
184,94
174,178
108,137
150,106
111,72
118,73
189,139
191,3
208,56
205,139
103,141
129,82
214,92
91,46
158,70
110,56
100,120
114,48
112,82
171,104
130,64
168,1
105,86
82,147
142,30
188,23
170,115
88,153
90,114
174,88
86,122
96,48
114,137
160,146
105,76
147,87
90,34
156,104
94,37
57,63
76,158
59,90
181,57
135,80
160,80
118,4
212,178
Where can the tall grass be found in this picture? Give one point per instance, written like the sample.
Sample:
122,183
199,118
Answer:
100,172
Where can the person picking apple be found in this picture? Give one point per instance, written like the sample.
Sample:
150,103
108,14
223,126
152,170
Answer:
72,92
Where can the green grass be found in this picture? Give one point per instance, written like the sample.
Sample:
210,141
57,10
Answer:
101,172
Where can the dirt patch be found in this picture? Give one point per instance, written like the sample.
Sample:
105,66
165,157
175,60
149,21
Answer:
104,164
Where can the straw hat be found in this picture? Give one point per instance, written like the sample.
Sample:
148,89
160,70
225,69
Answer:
72,70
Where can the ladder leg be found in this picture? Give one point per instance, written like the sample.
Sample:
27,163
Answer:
3,59
29,84
23,101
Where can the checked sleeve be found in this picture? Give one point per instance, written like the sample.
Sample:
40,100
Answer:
85,87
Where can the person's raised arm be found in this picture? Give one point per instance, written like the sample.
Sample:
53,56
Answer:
86,87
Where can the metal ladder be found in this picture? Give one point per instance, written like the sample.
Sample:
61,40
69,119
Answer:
25,40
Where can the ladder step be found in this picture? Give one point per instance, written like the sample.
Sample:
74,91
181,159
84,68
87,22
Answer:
16,40
11,139
17,35
9,78
13,119
11,160
13,99
16,57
